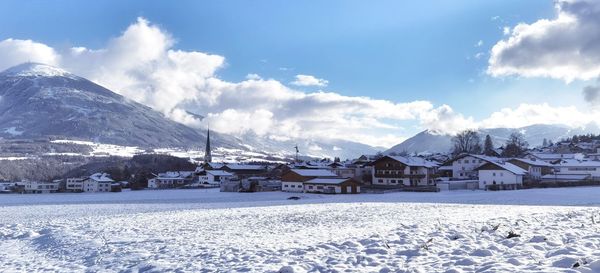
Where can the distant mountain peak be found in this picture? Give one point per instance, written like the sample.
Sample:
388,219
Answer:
36,70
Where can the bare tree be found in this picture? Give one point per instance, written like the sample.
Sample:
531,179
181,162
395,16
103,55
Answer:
467,141
515,145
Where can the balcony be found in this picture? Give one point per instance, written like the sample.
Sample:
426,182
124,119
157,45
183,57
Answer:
390,175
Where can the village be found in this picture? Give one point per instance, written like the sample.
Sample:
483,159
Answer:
572,162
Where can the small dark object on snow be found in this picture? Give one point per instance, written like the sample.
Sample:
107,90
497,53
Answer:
512,234
293,198
576,265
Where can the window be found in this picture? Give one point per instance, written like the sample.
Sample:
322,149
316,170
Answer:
380,180
393,181
493,174
285,186
319,187
310,187
501,174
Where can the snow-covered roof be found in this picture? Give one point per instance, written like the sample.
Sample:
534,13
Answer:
245,167
332,181
545,156
101,177
578,163
314,172
216,165
219,173
509,167
482,157
445,168
534,162
566,176
175,174
414,161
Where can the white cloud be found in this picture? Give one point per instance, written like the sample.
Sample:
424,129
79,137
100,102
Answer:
566,47
479,43
173,81
14,52
528,114
308,80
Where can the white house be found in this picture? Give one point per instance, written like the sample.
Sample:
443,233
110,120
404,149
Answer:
535,168
6,187
574,166
464,165
293,180
332,185
39,187
214,177
98,182
170,180
500,175
75,184
551,157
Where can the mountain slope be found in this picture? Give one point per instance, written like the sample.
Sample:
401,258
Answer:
428,141
39,101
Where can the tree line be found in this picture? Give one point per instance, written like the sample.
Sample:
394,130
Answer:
469,141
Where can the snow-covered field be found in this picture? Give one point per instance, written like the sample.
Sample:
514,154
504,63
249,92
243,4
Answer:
209,231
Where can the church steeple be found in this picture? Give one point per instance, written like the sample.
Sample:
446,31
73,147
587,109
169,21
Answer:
207,155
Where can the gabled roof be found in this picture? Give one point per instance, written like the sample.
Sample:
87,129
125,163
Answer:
538,163
577,163
332,181
482,157
412,161
219,173
101,177
505,166
245,167
314,172
545,156
175,174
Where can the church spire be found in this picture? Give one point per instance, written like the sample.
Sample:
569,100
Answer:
207,155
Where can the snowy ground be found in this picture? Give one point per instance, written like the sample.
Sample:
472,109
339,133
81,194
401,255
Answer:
209,231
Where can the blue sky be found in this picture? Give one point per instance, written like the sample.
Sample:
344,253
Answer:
401,51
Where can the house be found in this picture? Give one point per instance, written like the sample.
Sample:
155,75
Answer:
332,185
38,187
169,180
464,166
403,171
535,168
559,178
245,170
500,176
6,187
251,184
342,170
98,182
75,184
293,180
574,166
214,177
550,157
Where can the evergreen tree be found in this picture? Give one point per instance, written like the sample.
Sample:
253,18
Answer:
545,143
488,146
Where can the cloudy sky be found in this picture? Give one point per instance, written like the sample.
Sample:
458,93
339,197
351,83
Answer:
374,72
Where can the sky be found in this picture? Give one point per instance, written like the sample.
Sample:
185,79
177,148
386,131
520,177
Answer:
375,72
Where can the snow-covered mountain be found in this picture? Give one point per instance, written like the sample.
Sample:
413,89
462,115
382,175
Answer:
41,101
428,141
